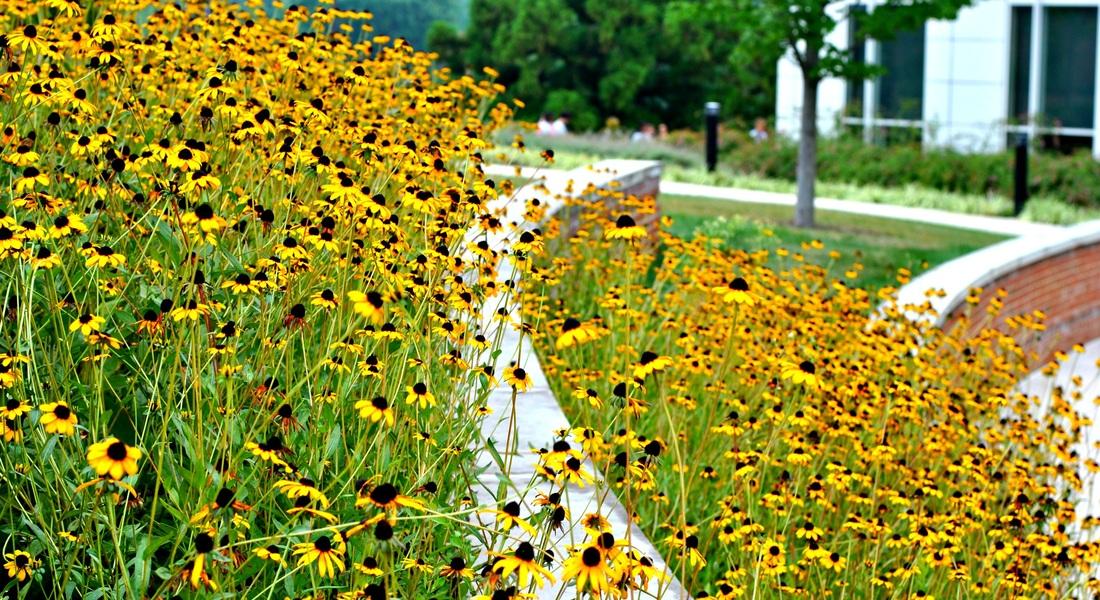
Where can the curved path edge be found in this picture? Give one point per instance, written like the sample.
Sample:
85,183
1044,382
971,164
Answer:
516,431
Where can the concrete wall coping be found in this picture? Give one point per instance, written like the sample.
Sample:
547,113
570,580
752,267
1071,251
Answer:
957,277
541,414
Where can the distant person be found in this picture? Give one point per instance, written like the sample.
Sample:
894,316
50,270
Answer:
545,125
645,133
560,126
759,133
662,132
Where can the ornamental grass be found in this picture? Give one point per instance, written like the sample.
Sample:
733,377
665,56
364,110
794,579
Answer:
780,432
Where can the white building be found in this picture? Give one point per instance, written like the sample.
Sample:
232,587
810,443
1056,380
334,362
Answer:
1001,67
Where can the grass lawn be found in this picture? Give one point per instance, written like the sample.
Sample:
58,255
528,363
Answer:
882,246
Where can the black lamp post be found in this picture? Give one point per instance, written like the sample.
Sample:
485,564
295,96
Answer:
710,120
1020,191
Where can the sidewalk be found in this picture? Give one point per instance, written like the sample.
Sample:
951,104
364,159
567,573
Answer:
998,225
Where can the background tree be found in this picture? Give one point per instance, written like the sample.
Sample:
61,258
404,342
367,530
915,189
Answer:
800,29
638,60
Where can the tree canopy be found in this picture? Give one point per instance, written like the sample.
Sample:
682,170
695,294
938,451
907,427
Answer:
636,60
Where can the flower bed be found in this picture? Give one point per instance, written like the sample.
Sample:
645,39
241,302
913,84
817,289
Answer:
780,440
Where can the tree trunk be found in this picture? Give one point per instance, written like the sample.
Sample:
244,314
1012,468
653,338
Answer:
807,154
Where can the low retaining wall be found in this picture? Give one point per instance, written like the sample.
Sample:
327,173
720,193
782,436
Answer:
1057,274
537,415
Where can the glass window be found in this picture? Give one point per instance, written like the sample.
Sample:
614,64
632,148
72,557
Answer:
1069,62
1019,77
901,88
857,45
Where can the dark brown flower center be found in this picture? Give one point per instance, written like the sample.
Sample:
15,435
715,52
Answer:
384,494
525,552
116,451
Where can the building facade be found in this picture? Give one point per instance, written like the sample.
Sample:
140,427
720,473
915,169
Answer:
1001,68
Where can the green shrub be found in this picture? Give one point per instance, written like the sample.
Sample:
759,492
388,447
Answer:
1074,179
584,117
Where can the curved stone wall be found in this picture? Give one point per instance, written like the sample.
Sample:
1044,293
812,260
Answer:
1056,274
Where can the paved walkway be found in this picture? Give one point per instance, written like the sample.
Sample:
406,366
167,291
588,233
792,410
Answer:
528,422
999,225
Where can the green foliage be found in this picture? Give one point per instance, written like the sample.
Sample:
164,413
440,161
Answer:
648,60
410,19
584,117
1074,179
773,171
882,246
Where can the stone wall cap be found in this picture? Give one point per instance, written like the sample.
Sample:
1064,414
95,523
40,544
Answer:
980,268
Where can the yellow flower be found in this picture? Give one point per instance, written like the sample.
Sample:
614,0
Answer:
370,305
57,417
737,292
522,561
375,410
802,373
303,488
574,332
518,378
588,567
114,459
327,551
625,229
418,394
20,565
87,324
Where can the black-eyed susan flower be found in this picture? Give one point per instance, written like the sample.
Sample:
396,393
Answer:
456,569
10,431
418,564
737,292
57,417
508,517
589,569
327,551
387,497
573,332
369,305
13,408
302,488
518,378
271,553
376,410
625,228
20,565
103,256
197,575
114,459
303,506
369,566
523,562
241,284
87,323
649,363
419,394
225,498
801,373
325,299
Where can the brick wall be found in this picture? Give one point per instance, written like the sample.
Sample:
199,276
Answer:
638,178
1065,286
